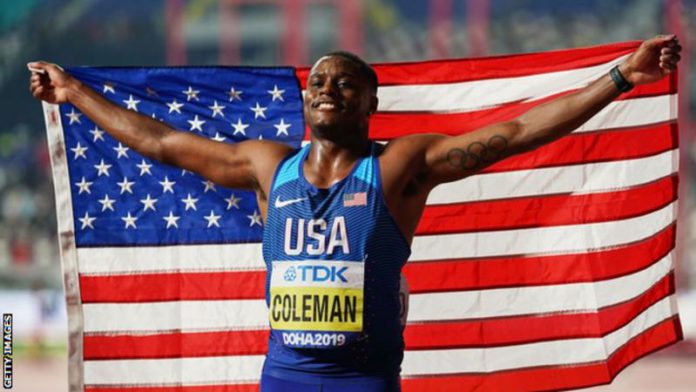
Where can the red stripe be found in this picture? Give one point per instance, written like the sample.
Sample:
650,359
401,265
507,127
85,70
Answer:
554,210
199,388
533,328
173,286
591,147
389,125
176,345
555,377
506,66
424,336
458,274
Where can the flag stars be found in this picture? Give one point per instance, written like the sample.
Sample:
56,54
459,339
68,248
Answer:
107,204
218,137
171,220
276,93
97,133
196,124
129,220
233,201
191,94
79,151
240,127
282,128
209,185
213,219
175,106
167,186
144,168
217,109
255,219
148,203
74,117
108,88
189,202
87,221
234,94
102,169
131,103
126,186
259,111
121,151
84,186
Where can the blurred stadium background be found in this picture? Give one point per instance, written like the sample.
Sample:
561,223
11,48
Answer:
291,32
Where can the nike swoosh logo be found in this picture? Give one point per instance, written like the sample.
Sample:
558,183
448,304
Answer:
282,203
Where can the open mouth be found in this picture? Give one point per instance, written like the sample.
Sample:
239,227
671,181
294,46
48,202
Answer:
326,105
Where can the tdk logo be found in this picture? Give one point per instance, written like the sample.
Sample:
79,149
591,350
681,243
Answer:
290,274
316,273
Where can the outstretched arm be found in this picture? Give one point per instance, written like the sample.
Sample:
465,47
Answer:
453,158
247,165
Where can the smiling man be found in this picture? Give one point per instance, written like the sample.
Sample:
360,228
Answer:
340,213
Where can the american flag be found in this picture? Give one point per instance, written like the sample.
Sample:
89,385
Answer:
550,270
355,199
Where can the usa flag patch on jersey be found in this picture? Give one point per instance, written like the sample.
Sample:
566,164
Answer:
355,199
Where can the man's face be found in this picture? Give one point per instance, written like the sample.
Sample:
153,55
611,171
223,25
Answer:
338,95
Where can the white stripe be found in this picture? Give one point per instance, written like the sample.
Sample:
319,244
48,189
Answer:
558,352
178,371
209,370
175,315
590,177
229,257
535,299
479,94
632,113
556,239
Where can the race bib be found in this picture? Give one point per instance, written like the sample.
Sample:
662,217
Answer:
317,303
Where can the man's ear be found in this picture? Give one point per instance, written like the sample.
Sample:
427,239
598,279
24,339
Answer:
374,101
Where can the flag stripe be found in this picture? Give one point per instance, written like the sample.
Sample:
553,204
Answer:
550,210
505,66
591,177
618,114
610,145
554,377
173,286
241,369
545,240
419,336
468,274
548,353
481,304
473,95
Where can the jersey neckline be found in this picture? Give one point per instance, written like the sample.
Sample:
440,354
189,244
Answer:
337,184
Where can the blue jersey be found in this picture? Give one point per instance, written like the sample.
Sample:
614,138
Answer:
334,258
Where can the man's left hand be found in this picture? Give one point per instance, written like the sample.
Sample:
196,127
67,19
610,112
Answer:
654,59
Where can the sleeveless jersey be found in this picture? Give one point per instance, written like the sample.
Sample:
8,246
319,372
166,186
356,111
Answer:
333,258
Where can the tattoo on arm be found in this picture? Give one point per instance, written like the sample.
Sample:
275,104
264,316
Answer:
477,153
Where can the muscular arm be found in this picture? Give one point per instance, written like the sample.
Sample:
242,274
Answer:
247,165
452,158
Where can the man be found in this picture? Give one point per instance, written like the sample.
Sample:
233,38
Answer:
340,213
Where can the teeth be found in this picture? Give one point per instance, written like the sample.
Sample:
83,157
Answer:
326,105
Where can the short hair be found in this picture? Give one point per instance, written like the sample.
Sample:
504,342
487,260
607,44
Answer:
365,69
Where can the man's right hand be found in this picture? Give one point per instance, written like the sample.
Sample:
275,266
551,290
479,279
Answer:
52,85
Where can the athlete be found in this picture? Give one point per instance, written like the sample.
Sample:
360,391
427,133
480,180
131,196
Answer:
340,213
